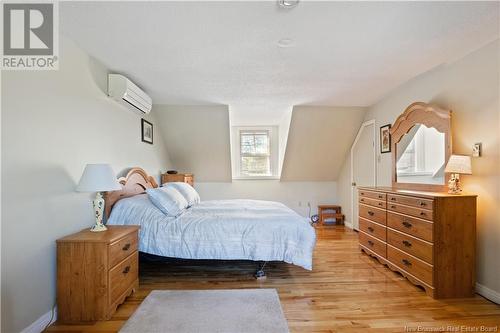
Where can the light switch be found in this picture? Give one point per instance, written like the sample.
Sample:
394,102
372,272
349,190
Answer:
476,149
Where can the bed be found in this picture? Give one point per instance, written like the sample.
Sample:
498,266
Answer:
217,229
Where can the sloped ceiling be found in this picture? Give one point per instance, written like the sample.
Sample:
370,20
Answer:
197,139
318,141
342,53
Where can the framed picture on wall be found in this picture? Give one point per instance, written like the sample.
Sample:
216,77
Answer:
385,139
146,131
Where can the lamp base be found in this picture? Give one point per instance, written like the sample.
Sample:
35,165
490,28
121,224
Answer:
454,184
98,204
98,228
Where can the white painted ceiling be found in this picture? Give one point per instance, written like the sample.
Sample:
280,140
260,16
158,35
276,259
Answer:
342,53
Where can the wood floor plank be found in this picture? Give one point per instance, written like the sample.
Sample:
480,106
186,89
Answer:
347,291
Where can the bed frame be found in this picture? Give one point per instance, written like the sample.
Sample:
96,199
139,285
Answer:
137,181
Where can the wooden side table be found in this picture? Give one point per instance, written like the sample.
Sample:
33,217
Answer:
330,212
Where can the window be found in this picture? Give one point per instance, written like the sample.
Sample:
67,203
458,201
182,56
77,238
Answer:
254,152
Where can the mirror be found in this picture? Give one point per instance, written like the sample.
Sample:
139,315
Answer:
421,146
421,156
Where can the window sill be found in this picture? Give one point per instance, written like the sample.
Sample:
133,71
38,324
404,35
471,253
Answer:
257,178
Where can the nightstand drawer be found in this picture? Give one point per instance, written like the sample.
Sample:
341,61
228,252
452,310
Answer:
122,276
122,249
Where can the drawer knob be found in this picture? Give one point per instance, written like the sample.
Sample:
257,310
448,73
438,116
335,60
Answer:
126,270
380,204
393,199
422,203
423,213
362,200
407,224
380,197
406,262
370,229
126,247
371,243
371,213
393,207
406,243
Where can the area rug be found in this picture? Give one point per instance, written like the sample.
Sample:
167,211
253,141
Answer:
209,311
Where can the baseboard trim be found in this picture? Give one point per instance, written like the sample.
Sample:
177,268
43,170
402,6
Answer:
488,293
41,323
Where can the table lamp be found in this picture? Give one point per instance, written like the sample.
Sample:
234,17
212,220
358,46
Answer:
98,178
457,164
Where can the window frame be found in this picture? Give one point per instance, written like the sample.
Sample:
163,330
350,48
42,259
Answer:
237,155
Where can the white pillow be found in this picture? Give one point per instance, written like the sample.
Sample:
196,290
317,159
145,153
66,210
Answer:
187,191
168,200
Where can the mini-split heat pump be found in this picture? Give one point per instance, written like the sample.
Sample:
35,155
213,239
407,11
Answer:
129,94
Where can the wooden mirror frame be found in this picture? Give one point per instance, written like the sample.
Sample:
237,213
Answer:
135,182
430,116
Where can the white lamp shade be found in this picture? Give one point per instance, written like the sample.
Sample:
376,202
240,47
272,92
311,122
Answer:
98,178
459,164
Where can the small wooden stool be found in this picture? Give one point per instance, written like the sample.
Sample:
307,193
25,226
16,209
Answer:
330,212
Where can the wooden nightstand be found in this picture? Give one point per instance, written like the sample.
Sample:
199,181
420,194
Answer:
96,271
179,177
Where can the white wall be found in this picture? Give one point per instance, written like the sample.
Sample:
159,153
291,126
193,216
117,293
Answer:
53,123
198,139
295,195
318,140
470,88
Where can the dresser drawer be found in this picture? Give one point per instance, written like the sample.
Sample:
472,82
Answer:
410,201
414,246
410,225
372,195
373,202
372,214
373,244
122,248
122,276
410,264
372,229
413,211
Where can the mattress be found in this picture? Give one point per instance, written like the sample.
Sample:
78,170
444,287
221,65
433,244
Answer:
221,229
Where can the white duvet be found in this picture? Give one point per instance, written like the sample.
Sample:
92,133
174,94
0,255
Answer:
221,229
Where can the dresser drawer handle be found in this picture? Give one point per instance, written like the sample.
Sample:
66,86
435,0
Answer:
406,243
371,243
362,200
380,204
393,207
126,270
423,214
423,203
371,213
393,199
407,224
126,247
370,229
380,197
406,262
362,193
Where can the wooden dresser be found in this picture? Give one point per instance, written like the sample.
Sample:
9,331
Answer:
428,237
96,271
180,177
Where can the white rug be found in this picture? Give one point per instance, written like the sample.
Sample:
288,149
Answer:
209,311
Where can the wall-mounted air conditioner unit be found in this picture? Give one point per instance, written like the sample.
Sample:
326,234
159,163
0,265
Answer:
127,93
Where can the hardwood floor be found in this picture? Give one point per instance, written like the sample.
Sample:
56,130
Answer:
346,292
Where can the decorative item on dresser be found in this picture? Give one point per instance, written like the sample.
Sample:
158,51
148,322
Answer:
95,273
428,237
457,165
179,177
